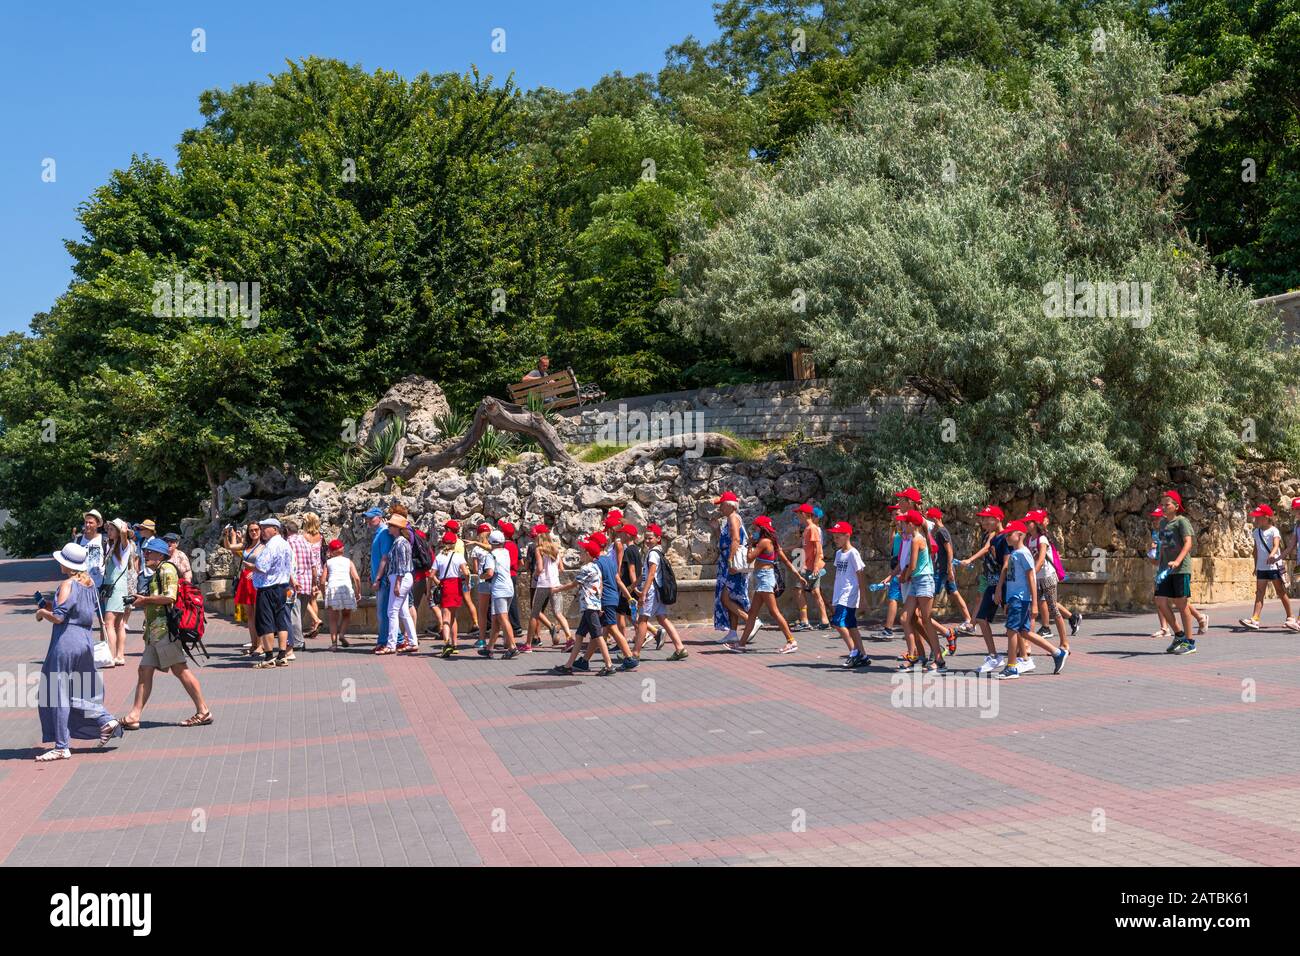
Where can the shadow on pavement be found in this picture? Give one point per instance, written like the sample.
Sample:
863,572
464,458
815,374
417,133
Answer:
28,569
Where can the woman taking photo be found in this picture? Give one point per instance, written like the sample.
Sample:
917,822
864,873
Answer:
71,694
119,575
245,593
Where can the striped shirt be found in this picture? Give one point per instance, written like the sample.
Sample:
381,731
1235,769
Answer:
399,558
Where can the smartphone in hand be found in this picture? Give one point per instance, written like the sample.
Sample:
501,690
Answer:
39,598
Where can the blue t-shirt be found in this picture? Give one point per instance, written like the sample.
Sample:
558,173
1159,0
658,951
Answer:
1018,574
994,558
380,545
608,565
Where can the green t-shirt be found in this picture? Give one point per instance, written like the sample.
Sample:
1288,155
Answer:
1172,535
164,581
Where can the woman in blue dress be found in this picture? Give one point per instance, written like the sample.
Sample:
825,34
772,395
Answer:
731,591
71,694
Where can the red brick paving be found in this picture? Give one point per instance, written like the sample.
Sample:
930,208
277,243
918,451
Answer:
346,758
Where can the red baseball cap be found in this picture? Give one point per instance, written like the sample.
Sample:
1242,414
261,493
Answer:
1015,526
1295,502
615,513
506,528
654,529
613,520
1037,514
841,527
538,528
336,544
1160,512
591,547
726,496
911,494
449,537
599,538
891,507
763,521
629,529
911,517
934,514
806,509
452,524
1178,499
1263,511
992,511
484,526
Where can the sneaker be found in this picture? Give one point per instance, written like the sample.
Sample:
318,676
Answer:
509,653
1044,631
1075,620
966,627
526,648
735,647
849,661
606,672
1025,665
823,626
568,646
862,660
561,669
484,652
991,663
885,633
801,626
582,664
1185,647
480,643
537,641
629,664
1058,661
1007,673
679,655
758,624
1249,622
731,637
789,647
659,638
1177,641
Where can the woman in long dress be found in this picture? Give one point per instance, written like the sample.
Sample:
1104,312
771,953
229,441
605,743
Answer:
731,591
71,695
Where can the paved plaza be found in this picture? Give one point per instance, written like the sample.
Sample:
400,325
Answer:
1130,757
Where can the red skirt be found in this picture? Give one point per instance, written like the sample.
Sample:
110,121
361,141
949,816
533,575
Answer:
451,596
245,593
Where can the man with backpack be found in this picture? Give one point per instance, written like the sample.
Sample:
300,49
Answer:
161,651
658,591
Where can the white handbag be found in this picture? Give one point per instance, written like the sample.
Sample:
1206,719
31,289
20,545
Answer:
740,560
103,656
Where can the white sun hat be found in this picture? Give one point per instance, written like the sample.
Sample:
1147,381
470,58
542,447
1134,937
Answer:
73,557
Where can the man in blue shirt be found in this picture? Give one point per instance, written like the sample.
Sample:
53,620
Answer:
380,545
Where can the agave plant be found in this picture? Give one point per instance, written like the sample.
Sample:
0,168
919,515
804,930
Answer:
491,448
379,449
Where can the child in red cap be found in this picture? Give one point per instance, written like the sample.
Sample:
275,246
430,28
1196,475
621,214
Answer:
1269,568
648,599
850,583
994,555
341,584
588,580
767,584
1174,572
813,559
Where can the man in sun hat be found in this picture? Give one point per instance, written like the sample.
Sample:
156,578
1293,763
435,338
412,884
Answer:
160,651
90,536
381,543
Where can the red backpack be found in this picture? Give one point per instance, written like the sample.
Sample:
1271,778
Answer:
186,620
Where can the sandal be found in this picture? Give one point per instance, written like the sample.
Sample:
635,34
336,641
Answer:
344,642
198,720
55,754
130,725
109,731
312,633
384,650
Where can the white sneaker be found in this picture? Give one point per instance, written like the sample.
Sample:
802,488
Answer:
1291,624
758,624
1249,622
1025,665
731,638
991,663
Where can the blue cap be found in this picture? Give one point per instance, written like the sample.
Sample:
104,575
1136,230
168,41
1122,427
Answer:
375,513
157,544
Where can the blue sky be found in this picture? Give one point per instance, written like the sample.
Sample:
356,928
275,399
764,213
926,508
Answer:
89,83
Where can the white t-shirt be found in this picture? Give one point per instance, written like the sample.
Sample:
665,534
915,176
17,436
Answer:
549,576
338,574
449,565
1264,539
1048,571
94,556
847,565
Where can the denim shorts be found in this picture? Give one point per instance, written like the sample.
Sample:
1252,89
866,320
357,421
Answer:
1018,614
844,616
765,579
943,582
608,615
921,585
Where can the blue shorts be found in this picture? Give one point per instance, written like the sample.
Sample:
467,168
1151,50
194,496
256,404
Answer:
942,582
921,585
895,592
988,608
1018,614
844,616
764,579
608,615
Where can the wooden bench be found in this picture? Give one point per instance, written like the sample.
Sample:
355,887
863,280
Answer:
557,390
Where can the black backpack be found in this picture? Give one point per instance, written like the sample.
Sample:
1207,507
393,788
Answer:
421,553
666,585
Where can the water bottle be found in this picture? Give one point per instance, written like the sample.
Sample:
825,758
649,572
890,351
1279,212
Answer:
1164,573
632,604
876,587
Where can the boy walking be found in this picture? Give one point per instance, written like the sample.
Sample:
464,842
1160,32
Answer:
588,580
1269,563
850,582
1021,597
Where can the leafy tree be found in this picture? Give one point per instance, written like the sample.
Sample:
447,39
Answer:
914,249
